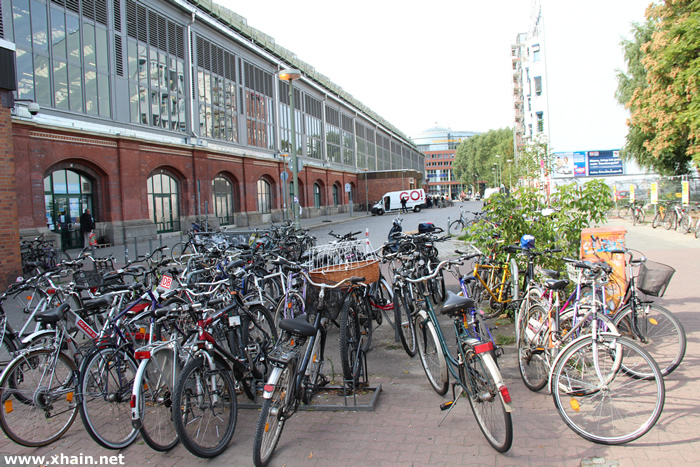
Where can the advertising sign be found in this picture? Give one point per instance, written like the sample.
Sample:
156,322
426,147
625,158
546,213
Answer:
604,163
686,192
563,165
632,198
654,193
580,164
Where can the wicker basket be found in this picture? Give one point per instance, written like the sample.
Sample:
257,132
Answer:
333,274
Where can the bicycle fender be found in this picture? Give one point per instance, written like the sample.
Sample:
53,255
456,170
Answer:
135,402
498,379
561,352
269,387
36,335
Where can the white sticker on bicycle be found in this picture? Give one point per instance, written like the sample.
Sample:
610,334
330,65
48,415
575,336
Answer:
166,282
234,321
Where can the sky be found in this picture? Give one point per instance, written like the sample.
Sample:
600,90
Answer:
448,63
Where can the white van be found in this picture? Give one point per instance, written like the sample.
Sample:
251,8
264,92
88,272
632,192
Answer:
391,202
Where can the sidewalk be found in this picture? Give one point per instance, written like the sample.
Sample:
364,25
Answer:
402,430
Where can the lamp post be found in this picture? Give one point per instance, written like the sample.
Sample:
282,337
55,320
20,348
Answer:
495,174
510,174
290,75
500,174
366,193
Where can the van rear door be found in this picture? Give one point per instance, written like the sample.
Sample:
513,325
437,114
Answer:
387,203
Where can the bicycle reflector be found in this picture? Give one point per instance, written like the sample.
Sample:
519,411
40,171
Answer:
142,354
505,394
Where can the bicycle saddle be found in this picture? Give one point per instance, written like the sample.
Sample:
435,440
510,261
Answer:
551,273
456,305
52,315
556,285
298,326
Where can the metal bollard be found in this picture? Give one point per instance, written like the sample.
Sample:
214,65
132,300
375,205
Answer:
150,245
136,248
160,238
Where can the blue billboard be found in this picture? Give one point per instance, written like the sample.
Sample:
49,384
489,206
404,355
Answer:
604,163
587,163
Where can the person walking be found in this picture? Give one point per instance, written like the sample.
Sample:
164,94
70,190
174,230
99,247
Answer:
87,224
404,210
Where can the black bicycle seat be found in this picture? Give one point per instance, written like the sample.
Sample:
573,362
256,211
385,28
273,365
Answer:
52,315
556,285
456,305
298,326
551,273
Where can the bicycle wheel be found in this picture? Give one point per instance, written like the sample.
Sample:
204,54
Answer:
532,297
7,351
640,215
623,212
617,409
106,382
382,298
670,220
635,217
37,392
485,399
533,354
657,221
206,408
156,411
289,306
455,228
355,334
697,229
437,288
181,252
658,331
685,223
271,420
403,310
431,355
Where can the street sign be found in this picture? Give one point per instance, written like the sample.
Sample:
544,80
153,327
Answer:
284,176
347,188
300,164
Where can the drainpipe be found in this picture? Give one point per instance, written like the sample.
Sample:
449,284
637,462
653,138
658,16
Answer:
190,72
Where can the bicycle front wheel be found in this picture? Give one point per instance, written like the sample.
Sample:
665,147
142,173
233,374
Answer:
289,306
670,220
156,412
533,349
403,308
657,221
355,335
599,393
431,356
205,408
485,399
106,383
657,330
181,252
455,228
271,421
37,390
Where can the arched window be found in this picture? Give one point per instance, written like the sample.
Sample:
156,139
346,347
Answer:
317,195
69,192
223,200
163,202
336,194
264,197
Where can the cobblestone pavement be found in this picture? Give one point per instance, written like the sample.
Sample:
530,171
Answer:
402,430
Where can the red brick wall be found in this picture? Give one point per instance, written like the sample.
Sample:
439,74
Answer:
10,259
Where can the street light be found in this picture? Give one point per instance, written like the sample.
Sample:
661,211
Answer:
510,174
290,74
500,179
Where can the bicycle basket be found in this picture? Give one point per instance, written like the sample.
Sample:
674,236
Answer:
653,278
335,262
88,278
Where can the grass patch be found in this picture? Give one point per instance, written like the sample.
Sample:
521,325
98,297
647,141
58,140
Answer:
505,340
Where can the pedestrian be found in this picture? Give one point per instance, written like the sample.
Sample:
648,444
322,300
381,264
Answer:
63,225
86,227
404,210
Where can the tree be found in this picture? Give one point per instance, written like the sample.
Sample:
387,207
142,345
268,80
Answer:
662,89
475,157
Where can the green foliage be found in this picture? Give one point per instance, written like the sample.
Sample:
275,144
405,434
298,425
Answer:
662,88
520,214
475,157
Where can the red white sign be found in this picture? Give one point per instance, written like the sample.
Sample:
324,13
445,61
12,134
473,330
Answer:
85,327
166,282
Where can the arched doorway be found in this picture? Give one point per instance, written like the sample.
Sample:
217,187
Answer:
163,202
67,192
223,199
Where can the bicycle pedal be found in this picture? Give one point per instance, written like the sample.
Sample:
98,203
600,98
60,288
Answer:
499,351
446,405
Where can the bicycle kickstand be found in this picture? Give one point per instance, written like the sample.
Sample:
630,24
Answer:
449,405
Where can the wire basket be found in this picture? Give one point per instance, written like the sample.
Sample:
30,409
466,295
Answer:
88,278
335,262
573,273
653,278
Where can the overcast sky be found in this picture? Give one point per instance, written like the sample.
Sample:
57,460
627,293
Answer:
418,64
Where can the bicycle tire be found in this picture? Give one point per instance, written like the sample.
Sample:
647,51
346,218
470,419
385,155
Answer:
641,216
439,291
684,224
156,411
623,212
355,333
208,433
180,249
533,354
532,297
271,421
22,419
403,310
455,228
7,351
495,307
484,396
660,333
431,355
106,382
657,221
288,307
670,220
697,229
383,299
587,405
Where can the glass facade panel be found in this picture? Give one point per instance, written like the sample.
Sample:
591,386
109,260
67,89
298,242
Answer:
58,33
76,88
40,27
25,75
264,200
60,85
22,23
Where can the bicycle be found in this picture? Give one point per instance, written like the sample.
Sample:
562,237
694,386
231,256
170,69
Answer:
606,388
497,282
674,216
660,216
297,361
473,368
460,224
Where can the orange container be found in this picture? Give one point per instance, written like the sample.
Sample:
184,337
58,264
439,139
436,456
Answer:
596,245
